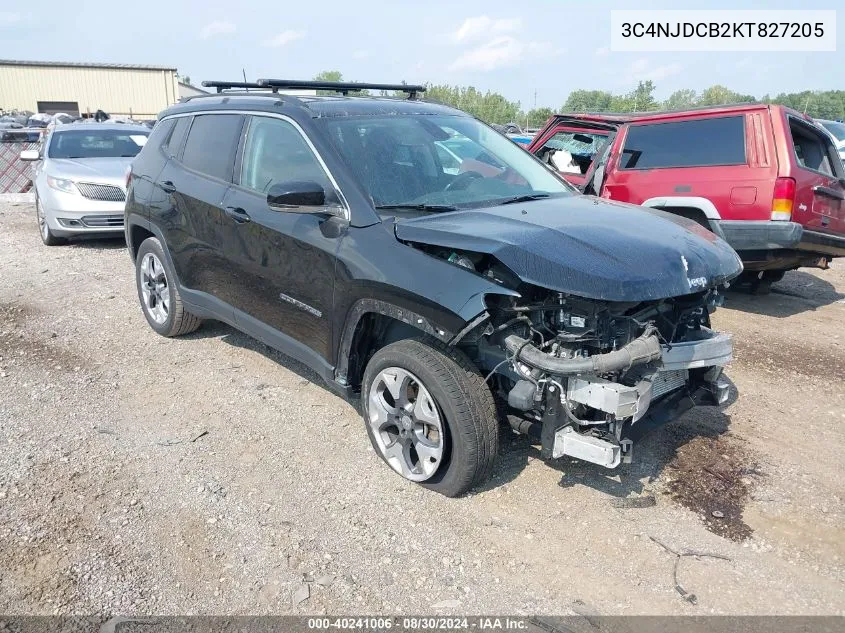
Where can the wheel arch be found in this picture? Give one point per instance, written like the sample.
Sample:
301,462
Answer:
695,208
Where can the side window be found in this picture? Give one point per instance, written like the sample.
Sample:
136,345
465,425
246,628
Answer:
451,164
276,152
571,152
697,143
812,151
159,134
177,137
212,143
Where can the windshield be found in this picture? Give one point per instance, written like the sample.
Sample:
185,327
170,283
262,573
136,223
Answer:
835,128
96,143
433,160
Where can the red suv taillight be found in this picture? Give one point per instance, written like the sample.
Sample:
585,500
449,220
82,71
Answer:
783,199
128,178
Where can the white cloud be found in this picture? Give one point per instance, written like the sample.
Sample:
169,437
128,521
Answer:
602,51
642,70
485,26
217,27
283,38
361,54
497,53
500,48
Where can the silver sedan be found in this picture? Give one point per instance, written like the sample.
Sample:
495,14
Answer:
80,178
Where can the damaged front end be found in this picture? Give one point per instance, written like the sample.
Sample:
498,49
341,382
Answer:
604,333
588,378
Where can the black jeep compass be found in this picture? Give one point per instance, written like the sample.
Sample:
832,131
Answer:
410,253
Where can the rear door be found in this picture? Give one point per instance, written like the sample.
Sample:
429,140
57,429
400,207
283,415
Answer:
194,221
282,262
819,195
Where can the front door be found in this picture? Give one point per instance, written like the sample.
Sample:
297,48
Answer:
282,262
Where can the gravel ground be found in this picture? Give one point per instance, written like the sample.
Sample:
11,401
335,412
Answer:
211,475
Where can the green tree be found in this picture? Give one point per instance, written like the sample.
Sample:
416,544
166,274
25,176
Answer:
588,101
642,97
681,100
720,95
336,76
536,117
488,106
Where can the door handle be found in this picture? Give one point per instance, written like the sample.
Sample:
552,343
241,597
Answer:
167,186
238,214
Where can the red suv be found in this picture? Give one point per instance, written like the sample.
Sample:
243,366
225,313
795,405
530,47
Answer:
763,177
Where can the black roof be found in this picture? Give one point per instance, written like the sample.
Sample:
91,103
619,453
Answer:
315,106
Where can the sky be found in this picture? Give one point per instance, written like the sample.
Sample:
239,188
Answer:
534,49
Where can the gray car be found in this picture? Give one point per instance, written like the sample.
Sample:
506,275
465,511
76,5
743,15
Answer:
80,178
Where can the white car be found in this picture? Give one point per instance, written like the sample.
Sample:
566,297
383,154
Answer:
80,178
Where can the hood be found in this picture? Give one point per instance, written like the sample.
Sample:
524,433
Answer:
105,170
586,246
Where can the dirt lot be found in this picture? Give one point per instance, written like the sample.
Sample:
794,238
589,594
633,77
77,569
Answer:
211,475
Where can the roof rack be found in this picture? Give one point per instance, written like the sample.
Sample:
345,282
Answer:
343,87
228,85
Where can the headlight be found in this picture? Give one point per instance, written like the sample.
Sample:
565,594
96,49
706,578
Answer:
60,184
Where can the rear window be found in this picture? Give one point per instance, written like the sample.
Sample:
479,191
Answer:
177,138
159,133
811,148
212,142
699,143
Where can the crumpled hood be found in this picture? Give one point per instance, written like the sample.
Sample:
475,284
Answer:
587,246
104,170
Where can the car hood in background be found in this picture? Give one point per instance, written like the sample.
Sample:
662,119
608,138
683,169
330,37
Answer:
111,170
586,246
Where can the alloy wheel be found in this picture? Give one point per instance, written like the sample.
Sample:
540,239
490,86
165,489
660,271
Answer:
154,288
42,220
406,424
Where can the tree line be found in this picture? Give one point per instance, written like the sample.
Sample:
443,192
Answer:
493,107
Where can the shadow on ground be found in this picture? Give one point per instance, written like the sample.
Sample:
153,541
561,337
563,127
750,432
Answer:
650,457
236,338
93,242
797,292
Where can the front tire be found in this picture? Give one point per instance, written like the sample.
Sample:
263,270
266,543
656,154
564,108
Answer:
159,295
430,415
47,236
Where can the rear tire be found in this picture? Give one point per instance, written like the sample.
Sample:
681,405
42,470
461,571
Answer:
461,453
158,292
47,236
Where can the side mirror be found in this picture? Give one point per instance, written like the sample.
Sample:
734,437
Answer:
30,154
300,196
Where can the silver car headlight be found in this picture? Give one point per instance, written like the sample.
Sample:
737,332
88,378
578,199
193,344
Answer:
60,184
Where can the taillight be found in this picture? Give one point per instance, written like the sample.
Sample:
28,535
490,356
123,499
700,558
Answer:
783,199
128,178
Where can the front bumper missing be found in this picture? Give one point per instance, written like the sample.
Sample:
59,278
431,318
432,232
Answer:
688,374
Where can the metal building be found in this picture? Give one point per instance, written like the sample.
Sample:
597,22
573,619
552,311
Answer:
118,89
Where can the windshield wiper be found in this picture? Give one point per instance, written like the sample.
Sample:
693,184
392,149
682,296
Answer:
528,197
418,207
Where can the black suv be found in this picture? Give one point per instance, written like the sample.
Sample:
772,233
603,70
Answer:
410,253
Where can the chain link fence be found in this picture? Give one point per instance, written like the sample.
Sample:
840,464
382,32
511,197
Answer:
15,174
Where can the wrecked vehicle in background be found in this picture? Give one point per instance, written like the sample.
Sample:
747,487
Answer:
764,178
449,296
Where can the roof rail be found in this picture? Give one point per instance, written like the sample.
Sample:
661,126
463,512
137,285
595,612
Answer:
228,85
343,87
